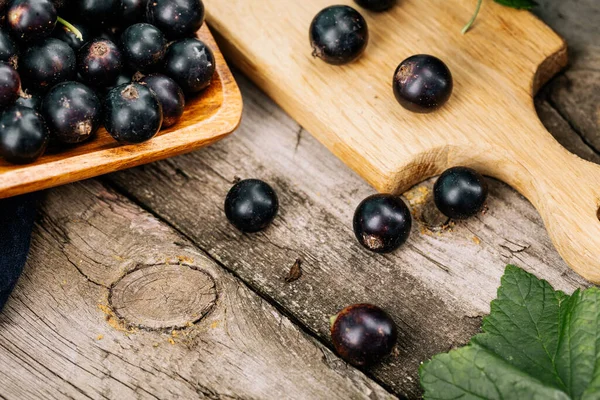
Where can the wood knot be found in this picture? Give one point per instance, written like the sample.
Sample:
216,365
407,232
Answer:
163,296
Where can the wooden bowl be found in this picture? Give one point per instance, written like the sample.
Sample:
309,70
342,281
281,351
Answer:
212,115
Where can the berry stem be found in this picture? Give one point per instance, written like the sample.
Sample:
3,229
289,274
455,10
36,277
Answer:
72,28
472,20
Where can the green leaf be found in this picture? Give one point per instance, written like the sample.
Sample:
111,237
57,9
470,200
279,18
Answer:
520,4
537,343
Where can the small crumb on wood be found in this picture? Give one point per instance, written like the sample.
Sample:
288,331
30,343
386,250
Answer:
214,325
171,341
99,337
295,272
185,259
476,240
236,179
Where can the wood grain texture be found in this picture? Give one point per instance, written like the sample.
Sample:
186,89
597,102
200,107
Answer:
436,287
489,123
116,305
207,118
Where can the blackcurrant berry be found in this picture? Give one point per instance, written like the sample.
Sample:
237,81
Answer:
8,49
176,18
376,5
338,35
382,223
23,135
132,113
422,83
72,112
132,12
65,34
10,85
169,95
99,63
46,63
363,334
190,63
460,192
251,205
29,100
30,20
144,47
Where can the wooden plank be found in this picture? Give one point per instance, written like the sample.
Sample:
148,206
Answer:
115,304
207,118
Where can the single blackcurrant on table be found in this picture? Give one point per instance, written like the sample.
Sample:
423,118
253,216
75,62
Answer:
363,334
338,35
143,46
190,63
382,223
10,85
376,5
46,63
132,113
460,192
99,63
23,135
72,112
422,83
178,19
251,205
170,96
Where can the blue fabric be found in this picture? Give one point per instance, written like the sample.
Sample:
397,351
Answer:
17,216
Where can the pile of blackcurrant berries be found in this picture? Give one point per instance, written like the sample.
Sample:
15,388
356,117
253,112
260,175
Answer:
68,67
339,35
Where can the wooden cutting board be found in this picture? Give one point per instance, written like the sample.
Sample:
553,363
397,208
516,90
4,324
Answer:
490,122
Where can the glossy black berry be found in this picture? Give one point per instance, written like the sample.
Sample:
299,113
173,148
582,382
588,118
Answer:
46,64
376,5
132,11
30,20
8,49
23,135
132,113
176,18
10,85
338,35
99,63
363,334
29,100
97,12
460,192
382,223
72,112
422,83
251,205
169,95
65,34
191,63
144,47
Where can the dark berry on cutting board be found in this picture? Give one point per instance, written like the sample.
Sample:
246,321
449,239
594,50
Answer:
363,334
97,12
30,20
191,63
132,113
178,19
460,192
338,35
72,112
382,223
169,95
251,205
131,12
9,51
422,83
10,85
376,5
47,63
23,135
65,34
99,63
143,46
29,100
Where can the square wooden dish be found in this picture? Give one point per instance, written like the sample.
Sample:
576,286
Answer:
212,115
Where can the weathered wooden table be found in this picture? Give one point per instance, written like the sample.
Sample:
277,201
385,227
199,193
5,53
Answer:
137,287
